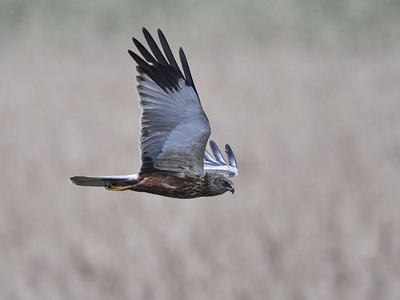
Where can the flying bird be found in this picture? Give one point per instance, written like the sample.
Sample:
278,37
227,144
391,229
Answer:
174,133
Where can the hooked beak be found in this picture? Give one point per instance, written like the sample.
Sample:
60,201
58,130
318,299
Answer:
232,190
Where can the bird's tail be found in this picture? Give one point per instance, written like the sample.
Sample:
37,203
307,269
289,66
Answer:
112,183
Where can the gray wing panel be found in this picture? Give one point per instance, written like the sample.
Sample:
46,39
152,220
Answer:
174,128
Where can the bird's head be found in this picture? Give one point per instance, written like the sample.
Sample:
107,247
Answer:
221,184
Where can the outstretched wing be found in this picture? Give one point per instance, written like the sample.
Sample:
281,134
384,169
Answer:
174,127
219,164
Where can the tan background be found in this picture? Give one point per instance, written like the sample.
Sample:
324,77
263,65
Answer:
306,92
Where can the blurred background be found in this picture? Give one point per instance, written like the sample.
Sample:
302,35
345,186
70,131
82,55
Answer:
306,92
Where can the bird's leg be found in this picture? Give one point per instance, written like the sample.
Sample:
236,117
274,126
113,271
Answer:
110,187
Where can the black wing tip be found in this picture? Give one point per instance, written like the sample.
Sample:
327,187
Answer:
132,54
168,53
136,58
184,62
136,42
164,71
186,69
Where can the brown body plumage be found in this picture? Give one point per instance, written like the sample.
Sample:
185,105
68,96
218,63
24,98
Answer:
174,133
172,185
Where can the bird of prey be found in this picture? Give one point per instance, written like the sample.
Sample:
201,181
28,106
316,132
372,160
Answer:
174,133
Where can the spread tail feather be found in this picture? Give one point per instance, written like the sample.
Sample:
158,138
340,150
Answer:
112,183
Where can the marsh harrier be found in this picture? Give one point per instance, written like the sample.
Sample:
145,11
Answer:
174,133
